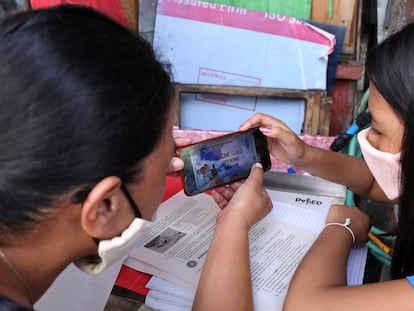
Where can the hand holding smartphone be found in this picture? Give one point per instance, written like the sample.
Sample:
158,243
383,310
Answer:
222,160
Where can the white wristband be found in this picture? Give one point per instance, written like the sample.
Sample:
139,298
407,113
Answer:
345,225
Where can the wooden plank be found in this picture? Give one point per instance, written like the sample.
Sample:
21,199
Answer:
131,8
349,71
410,11
317,106
344,14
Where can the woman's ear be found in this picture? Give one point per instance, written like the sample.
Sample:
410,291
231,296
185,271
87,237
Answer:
101,209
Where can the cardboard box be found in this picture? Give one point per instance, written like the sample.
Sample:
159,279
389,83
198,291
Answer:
211,43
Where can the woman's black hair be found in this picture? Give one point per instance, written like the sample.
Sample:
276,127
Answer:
390,67
81,98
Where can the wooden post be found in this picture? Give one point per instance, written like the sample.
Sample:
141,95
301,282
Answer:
317,105
131,9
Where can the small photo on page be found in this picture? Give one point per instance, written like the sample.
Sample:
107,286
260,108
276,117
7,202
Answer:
165,240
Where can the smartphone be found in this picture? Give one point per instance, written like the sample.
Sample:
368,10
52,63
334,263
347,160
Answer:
222,160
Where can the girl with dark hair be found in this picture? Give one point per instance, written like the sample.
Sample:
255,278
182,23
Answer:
386,173
85,143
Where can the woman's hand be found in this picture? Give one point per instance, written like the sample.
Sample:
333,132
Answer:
177,164
247,200
359,221
225,282
283,143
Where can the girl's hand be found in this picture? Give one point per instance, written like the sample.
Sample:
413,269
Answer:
283,143
248,201
176,163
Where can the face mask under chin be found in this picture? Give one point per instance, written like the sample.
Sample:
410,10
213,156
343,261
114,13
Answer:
117,248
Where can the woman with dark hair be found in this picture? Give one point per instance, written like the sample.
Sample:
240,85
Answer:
85,143
386,173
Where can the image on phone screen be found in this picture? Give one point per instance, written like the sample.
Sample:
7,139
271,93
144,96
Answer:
222,160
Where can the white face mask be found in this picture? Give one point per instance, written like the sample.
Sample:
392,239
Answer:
117,248
384,166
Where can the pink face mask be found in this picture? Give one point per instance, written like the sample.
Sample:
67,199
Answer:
384,166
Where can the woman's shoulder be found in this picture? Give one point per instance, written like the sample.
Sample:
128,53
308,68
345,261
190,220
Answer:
9,305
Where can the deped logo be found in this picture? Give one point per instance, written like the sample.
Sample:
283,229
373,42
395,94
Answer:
308,201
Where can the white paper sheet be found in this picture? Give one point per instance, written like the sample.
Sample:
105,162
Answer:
277,244
75,290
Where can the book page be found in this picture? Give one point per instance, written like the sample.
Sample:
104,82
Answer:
176,248
276,249
277,244
179,241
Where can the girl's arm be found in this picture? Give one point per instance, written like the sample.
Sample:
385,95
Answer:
319,283
225,282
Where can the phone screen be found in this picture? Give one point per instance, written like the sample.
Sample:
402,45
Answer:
222,160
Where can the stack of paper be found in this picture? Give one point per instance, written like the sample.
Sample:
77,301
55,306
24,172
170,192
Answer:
174,251
74,290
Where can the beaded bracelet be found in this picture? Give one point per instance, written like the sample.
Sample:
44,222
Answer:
345,225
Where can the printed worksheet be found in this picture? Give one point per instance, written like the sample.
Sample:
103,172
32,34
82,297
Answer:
175,250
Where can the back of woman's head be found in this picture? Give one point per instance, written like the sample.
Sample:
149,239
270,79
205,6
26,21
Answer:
81,98
390,66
